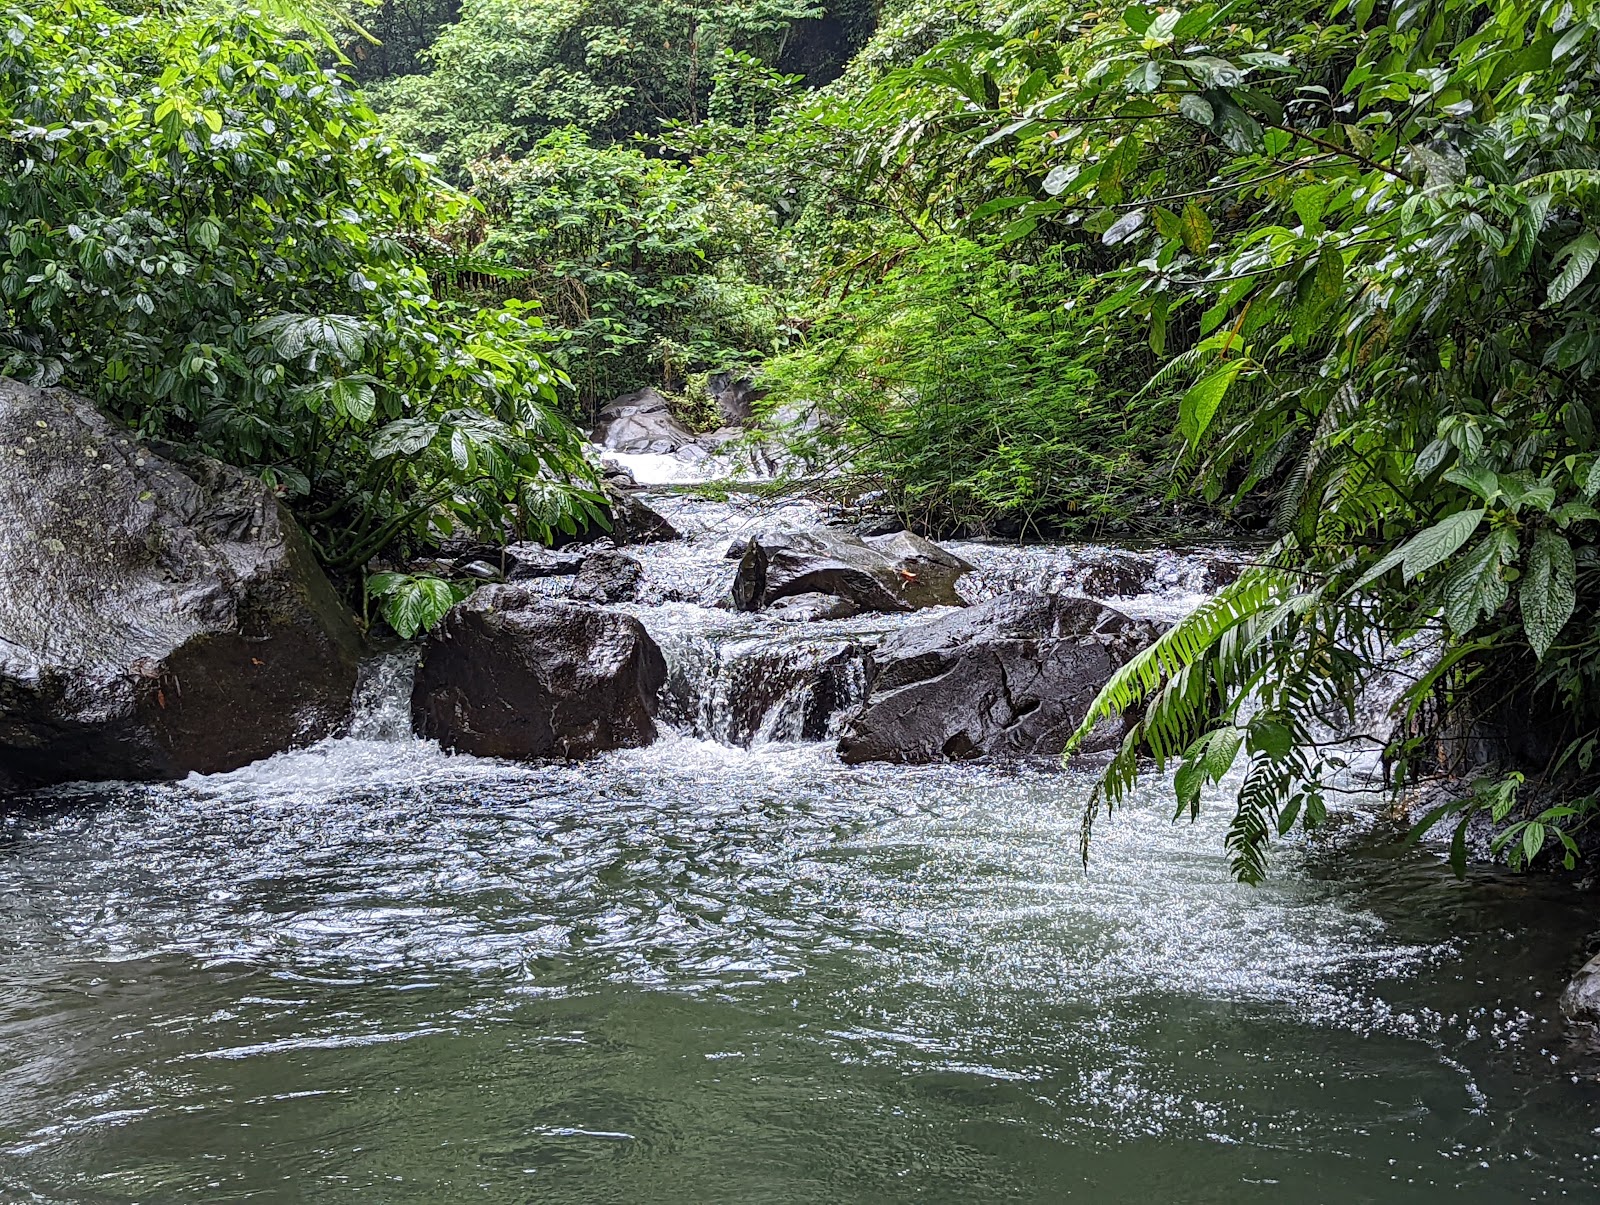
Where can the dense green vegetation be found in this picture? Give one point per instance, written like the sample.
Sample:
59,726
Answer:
207,231
1319,267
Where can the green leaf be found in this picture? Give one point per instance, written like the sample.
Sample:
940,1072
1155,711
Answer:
1199,404
1580,256
1196,229
1548,590
1428,548
1475,586
1197,109
1532,840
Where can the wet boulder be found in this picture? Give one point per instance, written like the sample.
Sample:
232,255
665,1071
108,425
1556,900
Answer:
1010,678
1117,575
510,673
1581,1000
640,422
527,561
607,576
161,614
899,572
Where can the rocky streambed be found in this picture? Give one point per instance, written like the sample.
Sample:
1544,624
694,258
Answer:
769,891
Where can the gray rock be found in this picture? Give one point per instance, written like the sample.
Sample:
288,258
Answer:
1010,678
509,673
638,422
806,608
526,561
735,397
692,453
1581,1000
899,572
607,576
161,614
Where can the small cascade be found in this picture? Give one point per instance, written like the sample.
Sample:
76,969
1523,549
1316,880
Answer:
381,708
761,688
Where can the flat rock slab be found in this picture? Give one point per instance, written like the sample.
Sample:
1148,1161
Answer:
1011,678
510,673
161,614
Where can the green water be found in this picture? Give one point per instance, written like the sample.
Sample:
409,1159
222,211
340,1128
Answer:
696,974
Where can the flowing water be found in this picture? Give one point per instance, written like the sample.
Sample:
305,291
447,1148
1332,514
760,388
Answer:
727,969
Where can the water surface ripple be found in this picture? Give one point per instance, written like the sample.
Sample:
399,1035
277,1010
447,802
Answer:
701,973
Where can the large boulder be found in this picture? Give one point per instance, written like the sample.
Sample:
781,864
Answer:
899,572
640,422
1010,678
510,673
160,614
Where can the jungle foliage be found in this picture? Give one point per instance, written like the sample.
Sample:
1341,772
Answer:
206,230
1363,239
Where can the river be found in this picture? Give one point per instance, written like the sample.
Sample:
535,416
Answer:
726,968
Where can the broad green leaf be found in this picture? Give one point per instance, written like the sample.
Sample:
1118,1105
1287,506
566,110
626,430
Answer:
1196,229
1199,404
1548,590
1439,542
1476,587
1580,256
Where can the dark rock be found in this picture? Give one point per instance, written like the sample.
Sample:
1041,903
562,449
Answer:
526,561
1221,572
805,608
161,614
1010,678
749,589
735,397
879,525
511,674
899,572
635,522
1581,1000
1117,575
640,422
607,576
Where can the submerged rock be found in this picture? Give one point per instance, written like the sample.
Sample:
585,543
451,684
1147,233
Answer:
512,674
899,572
160,614
1010,678
806,608
1117,575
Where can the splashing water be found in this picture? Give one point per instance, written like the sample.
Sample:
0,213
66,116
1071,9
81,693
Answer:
727,968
